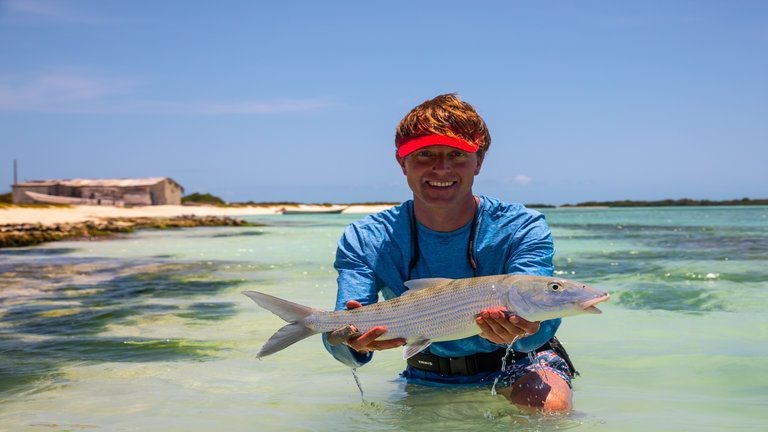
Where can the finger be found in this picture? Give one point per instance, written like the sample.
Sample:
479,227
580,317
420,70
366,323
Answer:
501,330
517,326
511,327
500,327
495,312
361,342
528,327
485,329
487,332
386,344
342,335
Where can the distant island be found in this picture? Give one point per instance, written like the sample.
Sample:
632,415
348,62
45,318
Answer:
685,202
206,199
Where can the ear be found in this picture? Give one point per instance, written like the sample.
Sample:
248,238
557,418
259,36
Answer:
479,164
401,162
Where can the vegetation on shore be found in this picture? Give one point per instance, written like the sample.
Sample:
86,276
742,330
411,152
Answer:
620,203
685,202
210,199
16,235
201,198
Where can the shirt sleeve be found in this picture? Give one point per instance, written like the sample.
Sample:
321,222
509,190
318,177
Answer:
532,255
356,281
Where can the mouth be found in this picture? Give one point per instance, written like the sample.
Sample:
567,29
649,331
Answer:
589,305
440,184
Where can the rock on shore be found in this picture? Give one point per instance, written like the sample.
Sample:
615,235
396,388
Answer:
16,235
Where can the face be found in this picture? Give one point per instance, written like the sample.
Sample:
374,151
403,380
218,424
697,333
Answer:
441,176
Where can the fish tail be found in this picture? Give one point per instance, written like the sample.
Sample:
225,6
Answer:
293,313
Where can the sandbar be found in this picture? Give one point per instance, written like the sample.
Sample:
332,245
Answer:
72,214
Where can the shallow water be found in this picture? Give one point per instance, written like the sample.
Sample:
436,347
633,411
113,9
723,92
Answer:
150,331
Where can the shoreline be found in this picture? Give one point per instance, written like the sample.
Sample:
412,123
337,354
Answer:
53,215
22,226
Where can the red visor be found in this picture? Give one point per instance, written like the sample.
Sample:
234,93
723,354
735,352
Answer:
414,144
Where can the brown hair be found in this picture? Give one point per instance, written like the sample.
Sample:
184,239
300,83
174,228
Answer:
445,115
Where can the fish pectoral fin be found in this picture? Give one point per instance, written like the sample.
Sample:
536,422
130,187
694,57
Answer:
414,285
411,349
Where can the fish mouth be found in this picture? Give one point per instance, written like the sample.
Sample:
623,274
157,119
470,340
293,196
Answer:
589,305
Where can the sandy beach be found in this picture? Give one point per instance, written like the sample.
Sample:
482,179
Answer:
58,215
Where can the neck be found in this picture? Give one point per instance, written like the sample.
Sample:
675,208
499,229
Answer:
444,219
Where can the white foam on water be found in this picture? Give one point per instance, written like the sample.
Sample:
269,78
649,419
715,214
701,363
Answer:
503,366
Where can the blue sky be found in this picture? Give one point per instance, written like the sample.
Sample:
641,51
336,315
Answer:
298,100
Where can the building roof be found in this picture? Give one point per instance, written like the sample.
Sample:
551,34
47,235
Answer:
126,182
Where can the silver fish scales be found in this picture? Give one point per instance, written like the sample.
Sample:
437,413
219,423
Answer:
436,309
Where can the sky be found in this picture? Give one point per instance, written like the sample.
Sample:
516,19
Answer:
298,100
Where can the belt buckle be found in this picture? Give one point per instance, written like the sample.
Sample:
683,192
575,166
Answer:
458,365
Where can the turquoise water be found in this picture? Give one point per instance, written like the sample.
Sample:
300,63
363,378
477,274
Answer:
150,332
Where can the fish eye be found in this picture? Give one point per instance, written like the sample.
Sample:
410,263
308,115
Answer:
555,286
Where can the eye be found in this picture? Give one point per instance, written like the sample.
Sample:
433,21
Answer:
555,286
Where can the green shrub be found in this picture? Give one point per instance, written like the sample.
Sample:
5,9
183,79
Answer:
198,198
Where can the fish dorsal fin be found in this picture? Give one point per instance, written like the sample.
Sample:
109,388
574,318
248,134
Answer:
419,284
414,348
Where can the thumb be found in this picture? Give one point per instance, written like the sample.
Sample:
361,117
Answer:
353,304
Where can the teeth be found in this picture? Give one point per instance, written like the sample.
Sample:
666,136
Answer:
440,184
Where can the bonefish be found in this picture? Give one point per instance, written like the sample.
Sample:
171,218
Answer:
436,309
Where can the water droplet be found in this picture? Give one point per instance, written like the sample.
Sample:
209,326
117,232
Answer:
503,366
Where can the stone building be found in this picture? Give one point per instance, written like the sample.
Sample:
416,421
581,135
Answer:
140,191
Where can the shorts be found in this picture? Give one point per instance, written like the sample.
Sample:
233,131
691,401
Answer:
543,360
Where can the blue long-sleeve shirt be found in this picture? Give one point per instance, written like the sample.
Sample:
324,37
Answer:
374,255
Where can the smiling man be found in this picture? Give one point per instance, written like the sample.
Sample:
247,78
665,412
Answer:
448,231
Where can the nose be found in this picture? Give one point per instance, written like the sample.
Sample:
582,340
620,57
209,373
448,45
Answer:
441,163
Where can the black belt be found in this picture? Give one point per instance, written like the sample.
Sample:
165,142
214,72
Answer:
471,364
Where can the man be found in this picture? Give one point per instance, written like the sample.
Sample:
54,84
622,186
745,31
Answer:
447,231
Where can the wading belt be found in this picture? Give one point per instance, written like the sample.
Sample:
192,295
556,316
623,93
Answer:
480,362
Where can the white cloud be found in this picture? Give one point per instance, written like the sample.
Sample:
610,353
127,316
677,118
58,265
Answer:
50,10
522,180
58,91
68,92
225,107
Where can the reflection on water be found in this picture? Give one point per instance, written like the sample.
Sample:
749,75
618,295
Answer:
151,332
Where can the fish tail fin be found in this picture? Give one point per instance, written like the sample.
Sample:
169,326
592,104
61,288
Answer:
293,313
285,337
288,311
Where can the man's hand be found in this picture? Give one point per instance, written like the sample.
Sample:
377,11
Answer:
498,327
365,342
